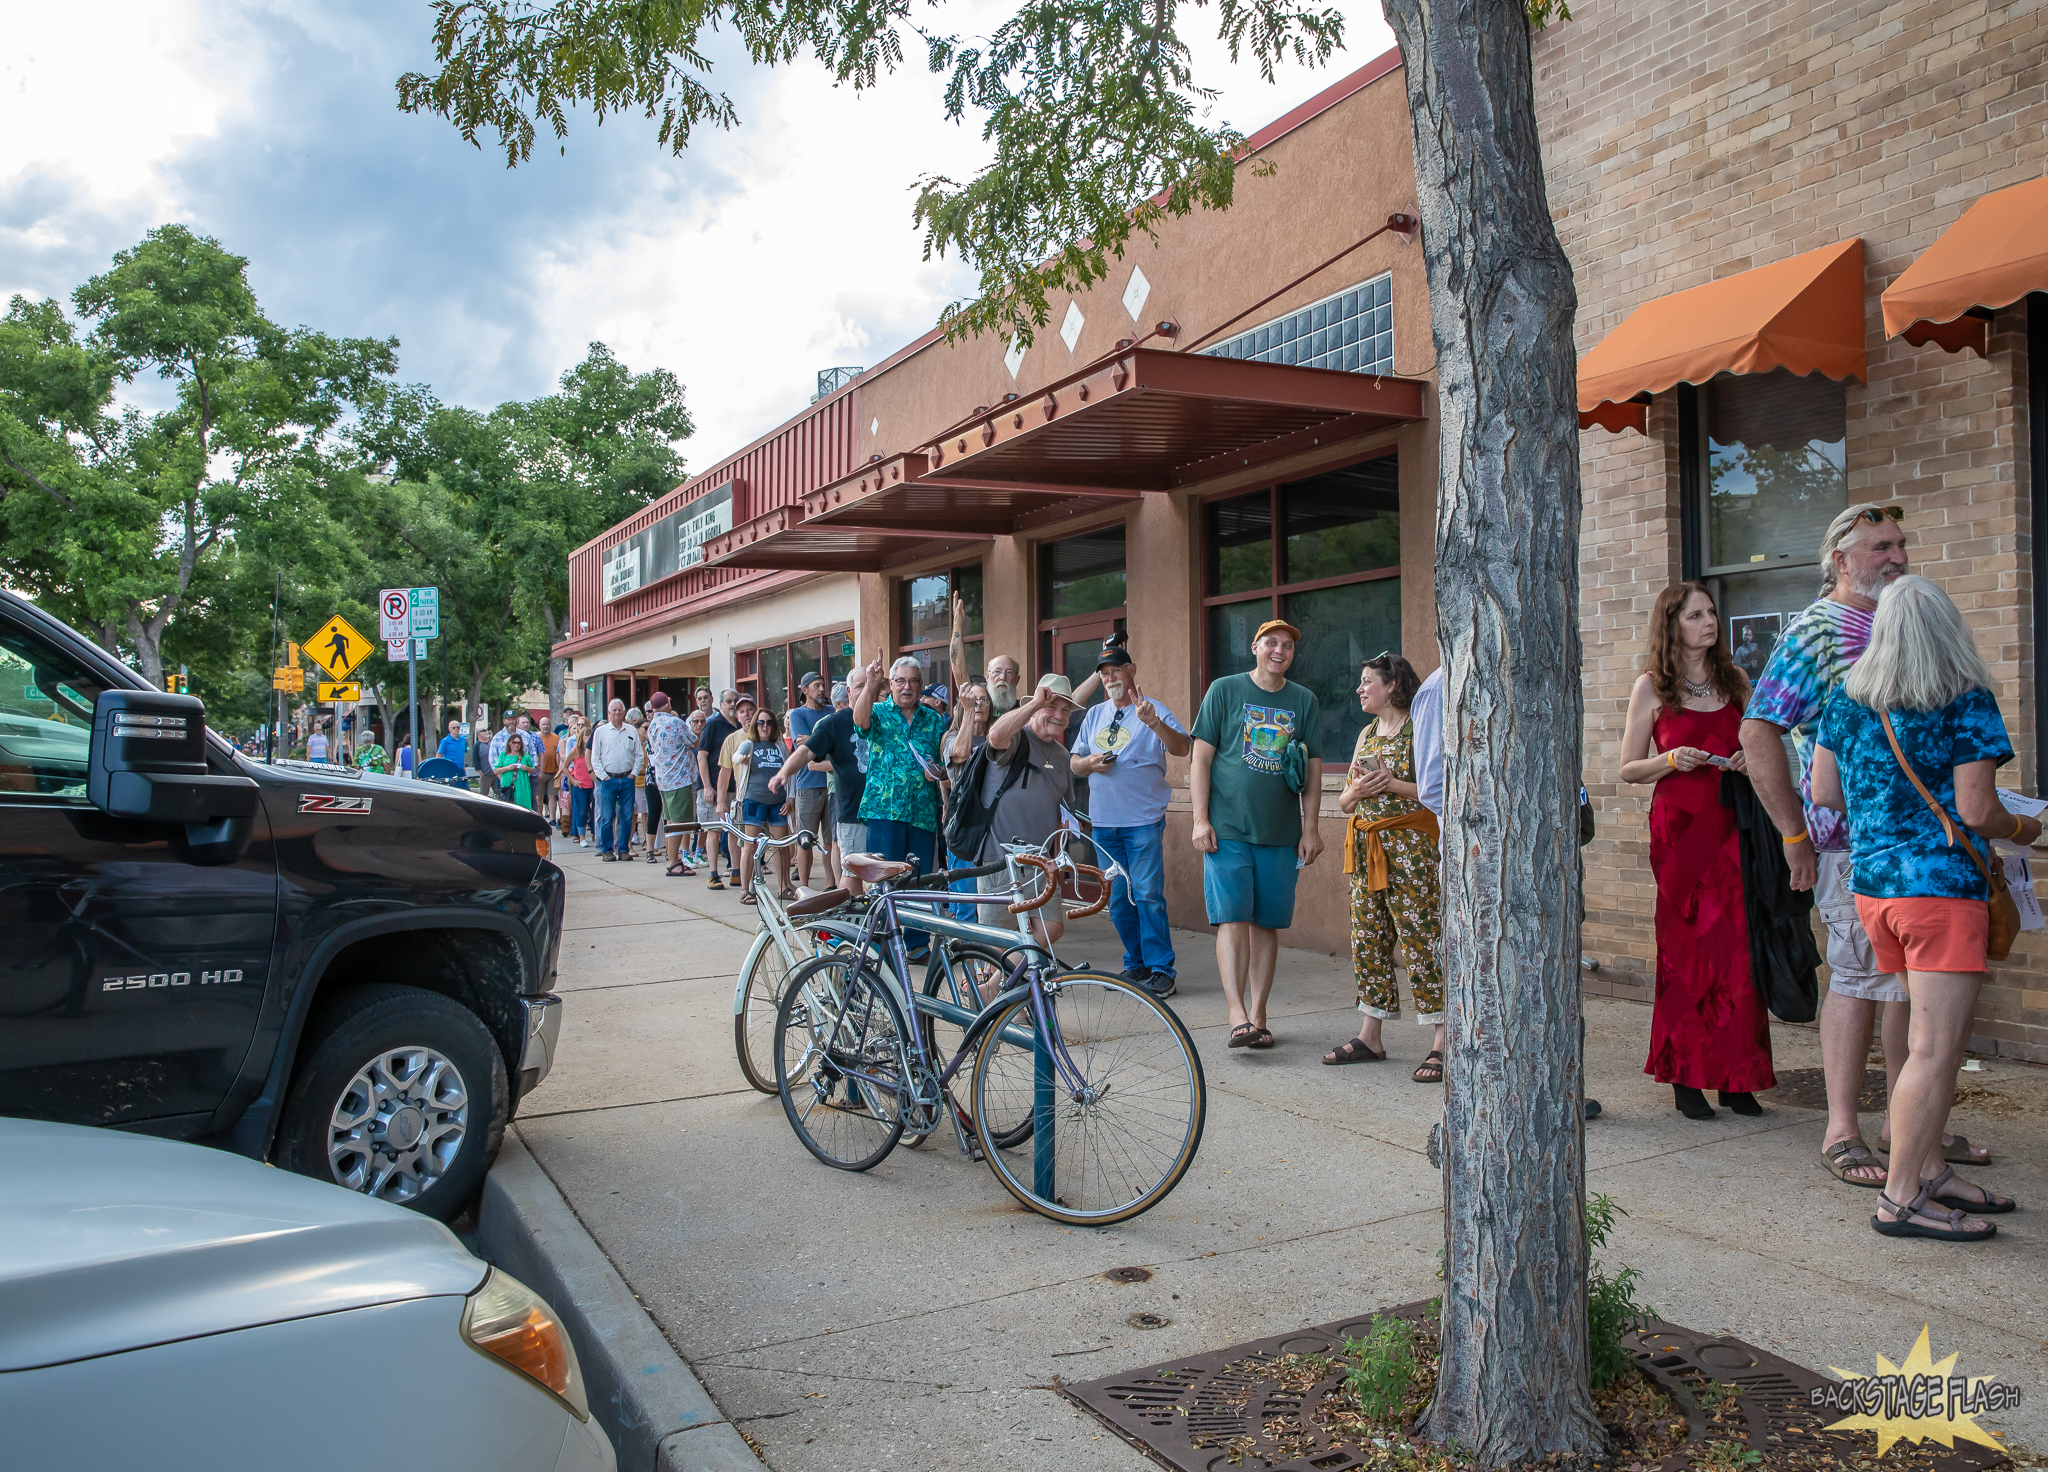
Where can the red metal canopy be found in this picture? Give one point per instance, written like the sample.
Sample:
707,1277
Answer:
1150,420
900,493
786,538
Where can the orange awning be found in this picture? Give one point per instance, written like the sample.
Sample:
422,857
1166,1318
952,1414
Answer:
1804,314
1990,258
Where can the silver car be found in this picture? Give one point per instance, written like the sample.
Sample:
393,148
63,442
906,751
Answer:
168,1306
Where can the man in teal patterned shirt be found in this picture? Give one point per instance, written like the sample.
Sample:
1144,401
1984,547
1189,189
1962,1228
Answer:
901,803
1863,551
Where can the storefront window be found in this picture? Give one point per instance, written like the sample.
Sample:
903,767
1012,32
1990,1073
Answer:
1771,457
925,619
770,673
1083,574
1333,572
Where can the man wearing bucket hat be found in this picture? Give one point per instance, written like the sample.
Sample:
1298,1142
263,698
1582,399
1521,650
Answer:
1024,783
1256,786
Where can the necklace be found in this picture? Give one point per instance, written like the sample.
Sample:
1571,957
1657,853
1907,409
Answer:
1695,690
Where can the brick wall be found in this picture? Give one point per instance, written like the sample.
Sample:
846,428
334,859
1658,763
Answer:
1684,144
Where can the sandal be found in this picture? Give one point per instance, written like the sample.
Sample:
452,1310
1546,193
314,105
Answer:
1244,1035
1354,1051
1431,1069
747,898
1905,1226
677,871
1263,1040
786,893
1846,1155
1955,1149
1993,1204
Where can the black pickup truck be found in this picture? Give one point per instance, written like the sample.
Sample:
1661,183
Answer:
348,975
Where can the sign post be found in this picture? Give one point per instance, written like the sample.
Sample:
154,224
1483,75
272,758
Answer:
407,618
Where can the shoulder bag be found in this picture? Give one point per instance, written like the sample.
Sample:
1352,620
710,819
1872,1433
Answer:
2005,912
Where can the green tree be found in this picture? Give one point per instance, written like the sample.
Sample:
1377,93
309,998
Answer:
1096,126
488,506
114,519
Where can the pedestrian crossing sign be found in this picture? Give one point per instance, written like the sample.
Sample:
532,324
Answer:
338,648
331,693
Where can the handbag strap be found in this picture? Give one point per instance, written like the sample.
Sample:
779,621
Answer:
1947,825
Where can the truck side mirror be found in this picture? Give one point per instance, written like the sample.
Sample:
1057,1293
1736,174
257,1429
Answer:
149,762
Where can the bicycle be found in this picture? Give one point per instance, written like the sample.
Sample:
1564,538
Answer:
1101,1075
794,933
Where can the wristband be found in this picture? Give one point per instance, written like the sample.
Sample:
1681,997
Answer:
2018,822
1799,837
1671,760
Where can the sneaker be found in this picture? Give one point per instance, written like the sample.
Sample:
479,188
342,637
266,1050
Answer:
1137,975
1160,984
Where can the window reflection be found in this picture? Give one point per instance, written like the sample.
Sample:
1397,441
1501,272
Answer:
1776,472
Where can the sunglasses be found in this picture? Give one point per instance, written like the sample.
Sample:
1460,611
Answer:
1876,515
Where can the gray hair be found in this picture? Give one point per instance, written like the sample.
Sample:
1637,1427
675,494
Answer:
1842,532
907,659
1921,655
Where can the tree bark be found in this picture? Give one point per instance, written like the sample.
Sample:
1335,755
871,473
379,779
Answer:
558,671
1513,1383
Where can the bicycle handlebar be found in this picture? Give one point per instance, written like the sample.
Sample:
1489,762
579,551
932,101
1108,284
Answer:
1052,883
802,838
1087,871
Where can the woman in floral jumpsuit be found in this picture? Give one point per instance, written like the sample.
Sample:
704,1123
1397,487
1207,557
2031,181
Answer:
1391,855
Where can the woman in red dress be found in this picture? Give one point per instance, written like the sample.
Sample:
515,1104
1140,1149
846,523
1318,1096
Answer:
1708,1029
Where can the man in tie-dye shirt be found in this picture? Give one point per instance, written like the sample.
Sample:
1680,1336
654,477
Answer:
1864,549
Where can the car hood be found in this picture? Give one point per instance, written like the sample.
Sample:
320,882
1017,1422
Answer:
114,1241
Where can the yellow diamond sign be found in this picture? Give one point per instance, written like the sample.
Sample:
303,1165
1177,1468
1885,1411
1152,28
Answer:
338,648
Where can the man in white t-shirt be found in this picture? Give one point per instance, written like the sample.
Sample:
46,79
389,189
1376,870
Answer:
1121,749
316,746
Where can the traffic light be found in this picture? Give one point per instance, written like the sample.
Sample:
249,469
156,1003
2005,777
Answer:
175,684
291,652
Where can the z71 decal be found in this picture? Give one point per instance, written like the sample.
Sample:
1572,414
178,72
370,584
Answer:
333,802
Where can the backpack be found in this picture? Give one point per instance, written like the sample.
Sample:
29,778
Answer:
969,819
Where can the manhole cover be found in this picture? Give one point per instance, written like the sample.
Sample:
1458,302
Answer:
1129,1275
1806,1088
1230,1407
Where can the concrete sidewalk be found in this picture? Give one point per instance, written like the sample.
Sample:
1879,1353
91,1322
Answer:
915,1317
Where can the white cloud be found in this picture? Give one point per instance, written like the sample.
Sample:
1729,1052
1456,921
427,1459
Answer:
758,258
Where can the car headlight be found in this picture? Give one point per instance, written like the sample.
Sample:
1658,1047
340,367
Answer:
513,1324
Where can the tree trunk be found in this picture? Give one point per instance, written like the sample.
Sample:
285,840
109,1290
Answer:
1513,1385
558,671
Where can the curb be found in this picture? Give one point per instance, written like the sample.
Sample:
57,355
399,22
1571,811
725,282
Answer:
658,1415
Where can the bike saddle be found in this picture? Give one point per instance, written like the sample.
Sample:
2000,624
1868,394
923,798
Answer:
817,904
873,868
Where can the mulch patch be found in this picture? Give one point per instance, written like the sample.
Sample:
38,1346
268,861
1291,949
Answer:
1693,1401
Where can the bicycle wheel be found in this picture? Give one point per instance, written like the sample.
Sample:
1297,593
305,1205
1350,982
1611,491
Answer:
1119,1141
762,980
978,973
835,1017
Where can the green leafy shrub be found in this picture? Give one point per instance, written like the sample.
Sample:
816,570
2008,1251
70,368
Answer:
1611,1308
1383,1367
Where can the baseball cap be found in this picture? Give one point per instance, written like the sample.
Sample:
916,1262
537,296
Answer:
813,675
1274,625
1113,656
658,700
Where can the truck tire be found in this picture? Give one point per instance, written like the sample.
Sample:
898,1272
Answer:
401,1094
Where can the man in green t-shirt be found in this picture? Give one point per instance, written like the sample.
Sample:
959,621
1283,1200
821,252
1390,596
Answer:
1255,833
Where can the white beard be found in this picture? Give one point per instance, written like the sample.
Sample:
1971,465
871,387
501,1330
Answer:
1003,698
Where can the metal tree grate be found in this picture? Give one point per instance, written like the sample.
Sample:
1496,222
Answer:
1243,1418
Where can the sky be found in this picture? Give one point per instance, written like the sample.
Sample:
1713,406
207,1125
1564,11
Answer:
759,257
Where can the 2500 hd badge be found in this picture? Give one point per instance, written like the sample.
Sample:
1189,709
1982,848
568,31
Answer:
150,980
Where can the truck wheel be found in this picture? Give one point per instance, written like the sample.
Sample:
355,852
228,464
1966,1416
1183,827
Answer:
401,1096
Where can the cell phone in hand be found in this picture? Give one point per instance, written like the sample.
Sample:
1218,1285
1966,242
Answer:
1108,758
1722,762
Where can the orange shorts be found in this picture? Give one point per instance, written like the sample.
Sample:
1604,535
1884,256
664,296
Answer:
1926,932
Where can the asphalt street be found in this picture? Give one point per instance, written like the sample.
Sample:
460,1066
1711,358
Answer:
915,1317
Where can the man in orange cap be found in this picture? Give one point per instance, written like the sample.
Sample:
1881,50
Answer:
1255,740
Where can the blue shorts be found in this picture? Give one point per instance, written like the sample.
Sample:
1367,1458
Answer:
762,815
1249,883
